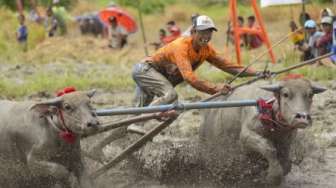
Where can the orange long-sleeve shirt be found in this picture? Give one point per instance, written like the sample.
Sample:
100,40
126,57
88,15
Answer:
178,60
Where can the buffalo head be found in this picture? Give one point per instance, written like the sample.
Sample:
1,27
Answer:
294,98
75,108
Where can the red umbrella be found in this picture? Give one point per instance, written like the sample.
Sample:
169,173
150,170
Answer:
123,18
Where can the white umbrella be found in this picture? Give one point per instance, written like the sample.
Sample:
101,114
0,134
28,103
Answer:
265,3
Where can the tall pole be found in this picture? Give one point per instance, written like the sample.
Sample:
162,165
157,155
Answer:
142,28
304,17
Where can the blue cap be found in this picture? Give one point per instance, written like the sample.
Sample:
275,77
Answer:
310,24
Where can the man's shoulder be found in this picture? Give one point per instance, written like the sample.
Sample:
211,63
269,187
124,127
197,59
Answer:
183,42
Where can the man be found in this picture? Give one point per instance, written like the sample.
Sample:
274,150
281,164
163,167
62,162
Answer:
34,12
252,40
324,43
22,33
310,50
297,35
117,35
51,23
162,36
175,32
230,32
176,62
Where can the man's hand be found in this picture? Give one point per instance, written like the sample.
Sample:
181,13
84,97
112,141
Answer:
223,88
164,116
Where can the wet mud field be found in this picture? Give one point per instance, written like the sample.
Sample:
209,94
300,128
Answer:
172,158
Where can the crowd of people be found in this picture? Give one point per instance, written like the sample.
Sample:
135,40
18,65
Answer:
318,39
248,40
313,40
54,21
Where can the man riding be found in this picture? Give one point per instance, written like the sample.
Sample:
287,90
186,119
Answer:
176,62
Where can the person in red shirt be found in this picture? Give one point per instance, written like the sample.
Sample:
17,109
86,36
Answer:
162,36
174,30
174,63
253,41
324,43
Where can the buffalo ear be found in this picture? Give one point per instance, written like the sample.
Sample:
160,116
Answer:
317,89
91,93
48,106
275,88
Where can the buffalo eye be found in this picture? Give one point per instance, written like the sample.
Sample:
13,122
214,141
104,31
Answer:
311,95
67,107
286,95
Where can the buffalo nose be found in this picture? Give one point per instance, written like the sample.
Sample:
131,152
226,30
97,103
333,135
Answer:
304,116
93,123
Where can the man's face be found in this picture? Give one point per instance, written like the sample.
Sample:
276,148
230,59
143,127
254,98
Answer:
310,30
325,13
326,27
113,23
169,26
202,37
250,22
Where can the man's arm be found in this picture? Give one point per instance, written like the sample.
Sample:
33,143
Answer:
189,76
229,67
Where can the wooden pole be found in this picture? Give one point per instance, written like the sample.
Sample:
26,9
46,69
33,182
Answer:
114,125
132,148
263,30
142,28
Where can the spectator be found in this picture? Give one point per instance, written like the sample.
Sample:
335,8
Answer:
309,49
34,13
324,43
252,40
174,31
326,12
297,35
117,35
187,32
162,41
22,33
61,16
51,23
230,32
304,16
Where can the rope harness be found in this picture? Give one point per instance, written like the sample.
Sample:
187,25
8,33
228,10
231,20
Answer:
63,131
271,119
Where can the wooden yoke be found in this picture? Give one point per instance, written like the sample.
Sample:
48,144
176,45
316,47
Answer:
238,31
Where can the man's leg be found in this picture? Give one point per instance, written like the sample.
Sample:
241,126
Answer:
152,83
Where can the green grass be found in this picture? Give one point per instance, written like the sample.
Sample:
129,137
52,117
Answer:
53,81
87,63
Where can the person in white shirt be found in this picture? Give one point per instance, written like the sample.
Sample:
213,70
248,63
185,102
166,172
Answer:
117,35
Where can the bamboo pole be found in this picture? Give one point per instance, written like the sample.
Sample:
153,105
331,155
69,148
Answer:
114,125
132,148
142,28
175,106
311,61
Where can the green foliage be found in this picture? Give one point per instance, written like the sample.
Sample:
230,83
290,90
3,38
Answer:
147,6
8,3
325,1
12,3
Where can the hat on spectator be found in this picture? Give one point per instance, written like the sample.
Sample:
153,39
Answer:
310,24
326,20
204,22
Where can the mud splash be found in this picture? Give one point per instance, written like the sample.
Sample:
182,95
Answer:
172,160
